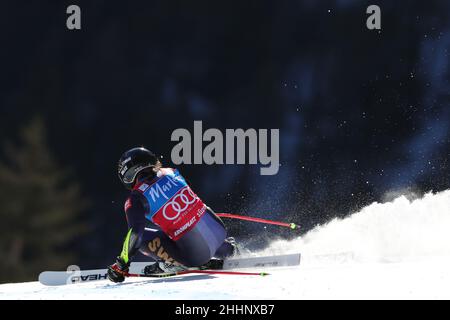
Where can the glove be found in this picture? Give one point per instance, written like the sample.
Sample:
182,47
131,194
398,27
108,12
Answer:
118,271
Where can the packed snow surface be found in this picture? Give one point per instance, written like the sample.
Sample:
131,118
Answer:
393,250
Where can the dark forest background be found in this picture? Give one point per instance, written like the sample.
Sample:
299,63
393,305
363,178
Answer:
363,114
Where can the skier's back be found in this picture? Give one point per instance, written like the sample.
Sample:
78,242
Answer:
184,230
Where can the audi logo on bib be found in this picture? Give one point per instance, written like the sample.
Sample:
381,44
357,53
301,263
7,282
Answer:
179,204
173,205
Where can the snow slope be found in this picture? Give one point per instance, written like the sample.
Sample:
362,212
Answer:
394,250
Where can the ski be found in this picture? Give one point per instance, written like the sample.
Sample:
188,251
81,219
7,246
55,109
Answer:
262,262
73,276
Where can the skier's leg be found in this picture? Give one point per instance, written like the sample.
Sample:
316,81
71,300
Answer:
158,246
202,242
216,217
227,249
195,248
209,242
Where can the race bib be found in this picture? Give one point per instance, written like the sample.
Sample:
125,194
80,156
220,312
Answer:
173,205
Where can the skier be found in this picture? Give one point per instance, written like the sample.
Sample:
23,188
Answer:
183,231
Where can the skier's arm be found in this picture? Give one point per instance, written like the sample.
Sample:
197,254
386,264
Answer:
135,213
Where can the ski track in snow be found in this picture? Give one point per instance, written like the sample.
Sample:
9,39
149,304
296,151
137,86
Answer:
394,250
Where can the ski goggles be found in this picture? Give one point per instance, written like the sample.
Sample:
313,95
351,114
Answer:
130,174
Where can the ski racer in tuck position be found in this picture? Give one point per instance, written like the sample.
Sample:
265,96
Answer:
167,221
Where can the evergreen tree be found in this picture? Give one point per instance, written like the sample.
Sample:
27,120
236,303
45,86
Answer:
40,209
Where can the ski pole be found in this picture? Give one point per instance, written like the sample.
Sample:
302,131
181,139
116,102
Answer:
227,272
171,274
292,226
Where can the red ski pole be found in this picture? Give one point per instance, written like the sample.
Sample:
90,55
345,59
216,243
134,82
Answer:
171,274
226,272
235,216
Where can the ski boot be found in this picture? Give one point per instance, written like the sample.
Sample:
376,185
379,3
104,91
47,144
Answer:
228,249
213,264
234,244
163,267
